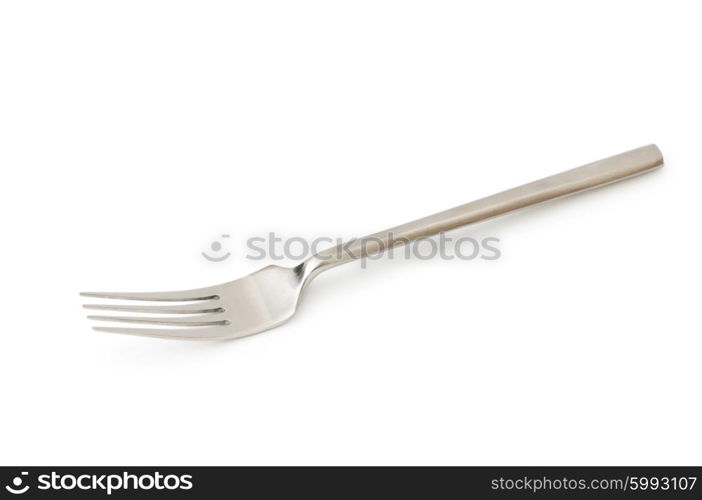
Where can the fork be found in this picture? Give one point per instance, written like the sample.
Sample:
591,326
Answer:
270,296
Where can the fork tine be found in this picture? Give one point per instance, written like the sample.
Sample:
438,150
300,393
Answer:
198,307
171,321
181,296
212,333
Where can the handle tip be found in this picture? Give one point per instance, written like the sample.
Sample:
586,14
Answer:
654,155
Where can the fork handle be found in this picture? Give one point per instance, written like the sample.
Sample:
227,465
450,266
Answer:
599,173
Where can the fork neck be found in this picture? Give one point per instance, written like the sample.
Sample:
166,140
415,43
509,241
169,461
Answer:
311,268
344,253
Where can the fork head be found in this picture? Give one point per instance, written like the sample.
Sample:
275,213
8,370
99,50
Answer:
249,305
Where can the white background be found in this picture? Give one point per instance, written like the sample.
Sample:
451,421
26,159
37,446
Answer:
134,133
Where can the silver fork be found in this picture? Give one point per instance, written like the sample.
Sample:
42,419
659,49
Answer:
270,296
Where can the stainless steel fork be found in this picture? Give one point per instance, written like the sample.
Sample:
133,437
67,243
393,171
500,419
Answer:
270,296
